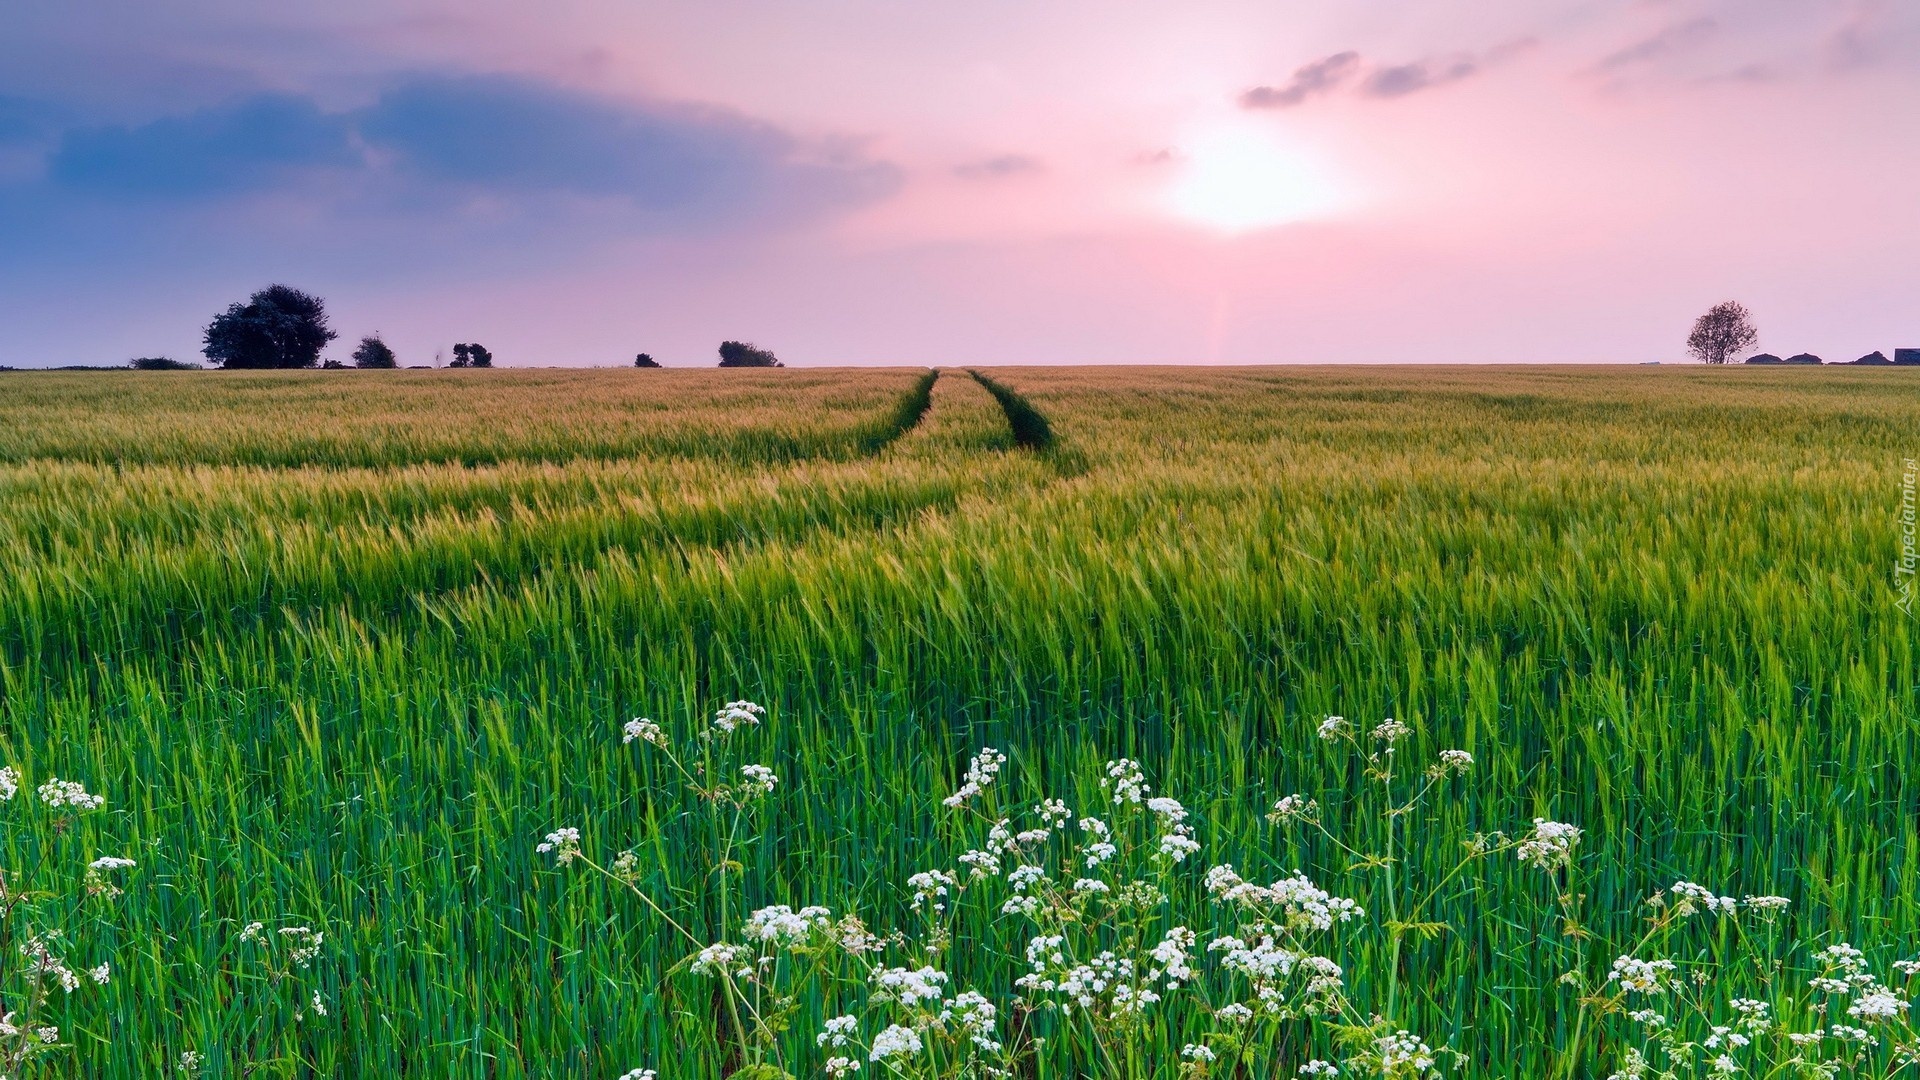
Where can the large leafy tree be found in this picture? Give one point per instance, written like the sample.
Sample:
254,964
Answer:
1725,331
743,354
278,327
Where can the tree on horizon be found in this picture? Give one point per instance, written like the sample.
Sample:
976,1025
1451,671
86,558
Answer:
746,354
277,327
1725,331
465,355
374,353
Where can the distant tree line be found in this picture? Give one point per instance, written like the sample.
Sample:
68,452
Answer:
283,327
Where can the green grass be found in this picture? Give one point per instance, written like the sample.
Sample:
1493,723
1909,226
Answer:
340,647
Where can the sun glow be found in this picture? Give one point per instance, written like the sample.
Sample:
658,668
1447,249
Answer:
1242,177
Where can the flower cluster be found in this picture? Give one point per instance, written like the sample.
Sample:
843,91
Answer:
981,772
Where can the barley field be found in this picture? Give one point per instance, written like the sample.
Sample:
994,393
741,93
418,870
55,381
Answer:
342,650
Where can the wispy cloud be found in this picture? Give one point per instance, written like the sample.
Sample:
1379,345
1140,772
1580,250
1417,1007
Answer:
1310,80
1380,81
999,167
1671,40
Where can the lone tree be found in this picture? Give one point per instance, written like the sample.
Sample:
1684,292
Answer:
645,360
278,327
374,353
465,355
743,354
1725,331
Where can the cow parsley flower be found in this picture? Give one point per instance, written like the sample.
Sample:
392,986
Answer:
1643,976
1391,731
1877,1005
1333,727
837,1032
1126,781
1196,1052
57,793
1694,897
637,1074
784,927
930,888
1453,762
564,843
981,772
721,959
736,714
1550,845
896,1041
9,783
909,986
645,730
1294,807
1177,843
1402,1050
759,779
1317,1067
303,943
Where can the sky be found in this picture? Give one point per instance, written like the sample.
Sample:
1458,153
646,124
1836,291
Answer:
571,182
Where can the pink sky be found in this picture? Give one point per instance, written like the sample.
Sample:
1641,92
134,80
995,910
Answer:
1500,180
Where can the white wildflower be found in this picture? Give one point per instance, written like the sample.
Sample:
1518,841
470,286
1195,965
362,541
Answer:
931,886
1877,1005
1549,845
1196,1052
1454,762
909,986
1333,727
9,783
1177,843
981,772
723,960
737,714
564,843
303,943
1294,807
1643,976
838,1031
1391,731
1693,897
1126,781
57,793
896,1041
645,730
759,779
782,926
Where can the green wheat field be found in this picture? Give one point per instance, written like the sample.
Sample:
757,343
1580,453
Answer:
339,649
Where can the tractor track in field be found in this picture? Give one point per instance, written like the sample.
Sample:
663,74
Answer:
1029,425
906,415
